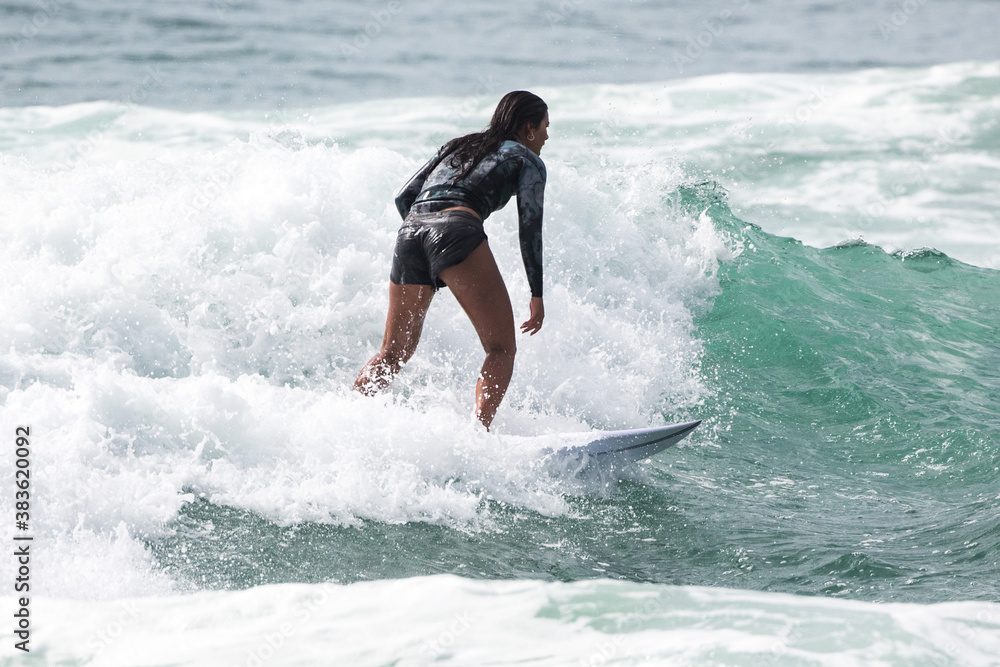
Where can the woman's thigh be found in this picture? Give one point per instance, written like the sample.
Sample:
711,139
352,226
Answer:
480,290
408,306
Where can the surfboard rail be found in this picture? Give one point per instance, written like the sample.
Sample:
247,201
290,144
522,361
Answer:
627,445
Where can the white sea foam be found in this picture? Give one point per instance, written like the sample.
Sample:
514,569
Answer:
187,297
188,323
906,158
446,620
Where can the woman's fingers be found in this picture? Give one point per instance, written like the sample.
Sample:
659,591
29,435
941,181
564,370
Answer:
534,322
531,326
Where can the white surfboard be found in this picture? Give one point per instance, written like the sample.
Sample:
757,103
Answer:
617,447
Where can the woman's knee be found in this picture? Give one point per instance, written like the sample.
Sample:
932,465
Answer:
503,347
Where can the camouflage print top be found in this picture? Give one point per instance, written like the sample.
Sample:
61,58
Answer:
512,168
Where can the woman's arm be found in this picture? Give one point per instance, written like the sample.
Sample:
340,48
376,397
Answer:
410,191
530,200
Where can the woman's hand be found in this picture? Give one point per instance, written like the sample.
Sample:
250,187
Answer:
534,322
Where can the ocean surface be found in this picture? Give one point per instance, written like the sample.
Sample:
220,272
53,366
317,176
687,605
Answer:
780,219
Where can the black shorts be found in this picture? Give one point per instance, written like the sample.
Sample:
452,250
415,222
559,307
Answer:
429,243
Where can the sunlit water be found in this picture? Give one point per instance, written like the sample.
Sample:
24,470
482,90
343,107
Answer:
807,262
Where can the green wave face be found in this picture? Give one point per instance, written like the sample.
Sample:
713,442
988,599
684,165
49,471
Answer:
855,398
900,346
849,448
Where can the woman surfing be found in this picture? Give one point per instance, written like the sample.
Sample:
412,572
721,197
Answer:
442,243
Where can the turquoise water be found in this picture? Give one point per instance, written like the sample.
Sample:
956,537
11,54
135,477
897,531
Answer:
848,449
859,382
284,54
794,240
194,294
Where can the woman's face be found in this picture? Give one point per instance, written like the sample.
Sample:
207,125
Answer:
539,134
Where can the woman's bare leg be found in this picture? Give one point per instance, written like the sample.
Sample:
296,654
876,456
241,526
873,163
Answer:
407,307
480,290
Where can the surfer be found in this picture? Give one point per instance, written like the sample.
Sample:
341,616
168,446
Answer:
442,244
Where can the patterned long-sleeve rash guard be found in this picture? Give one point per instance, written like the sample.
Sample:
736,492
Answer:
512,168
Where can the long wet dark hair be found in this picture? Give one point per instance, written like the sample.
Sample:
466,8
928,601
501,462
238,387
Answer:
514,110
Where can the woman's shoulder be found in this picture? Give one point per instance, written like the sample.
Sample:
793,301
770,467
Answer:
511,148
